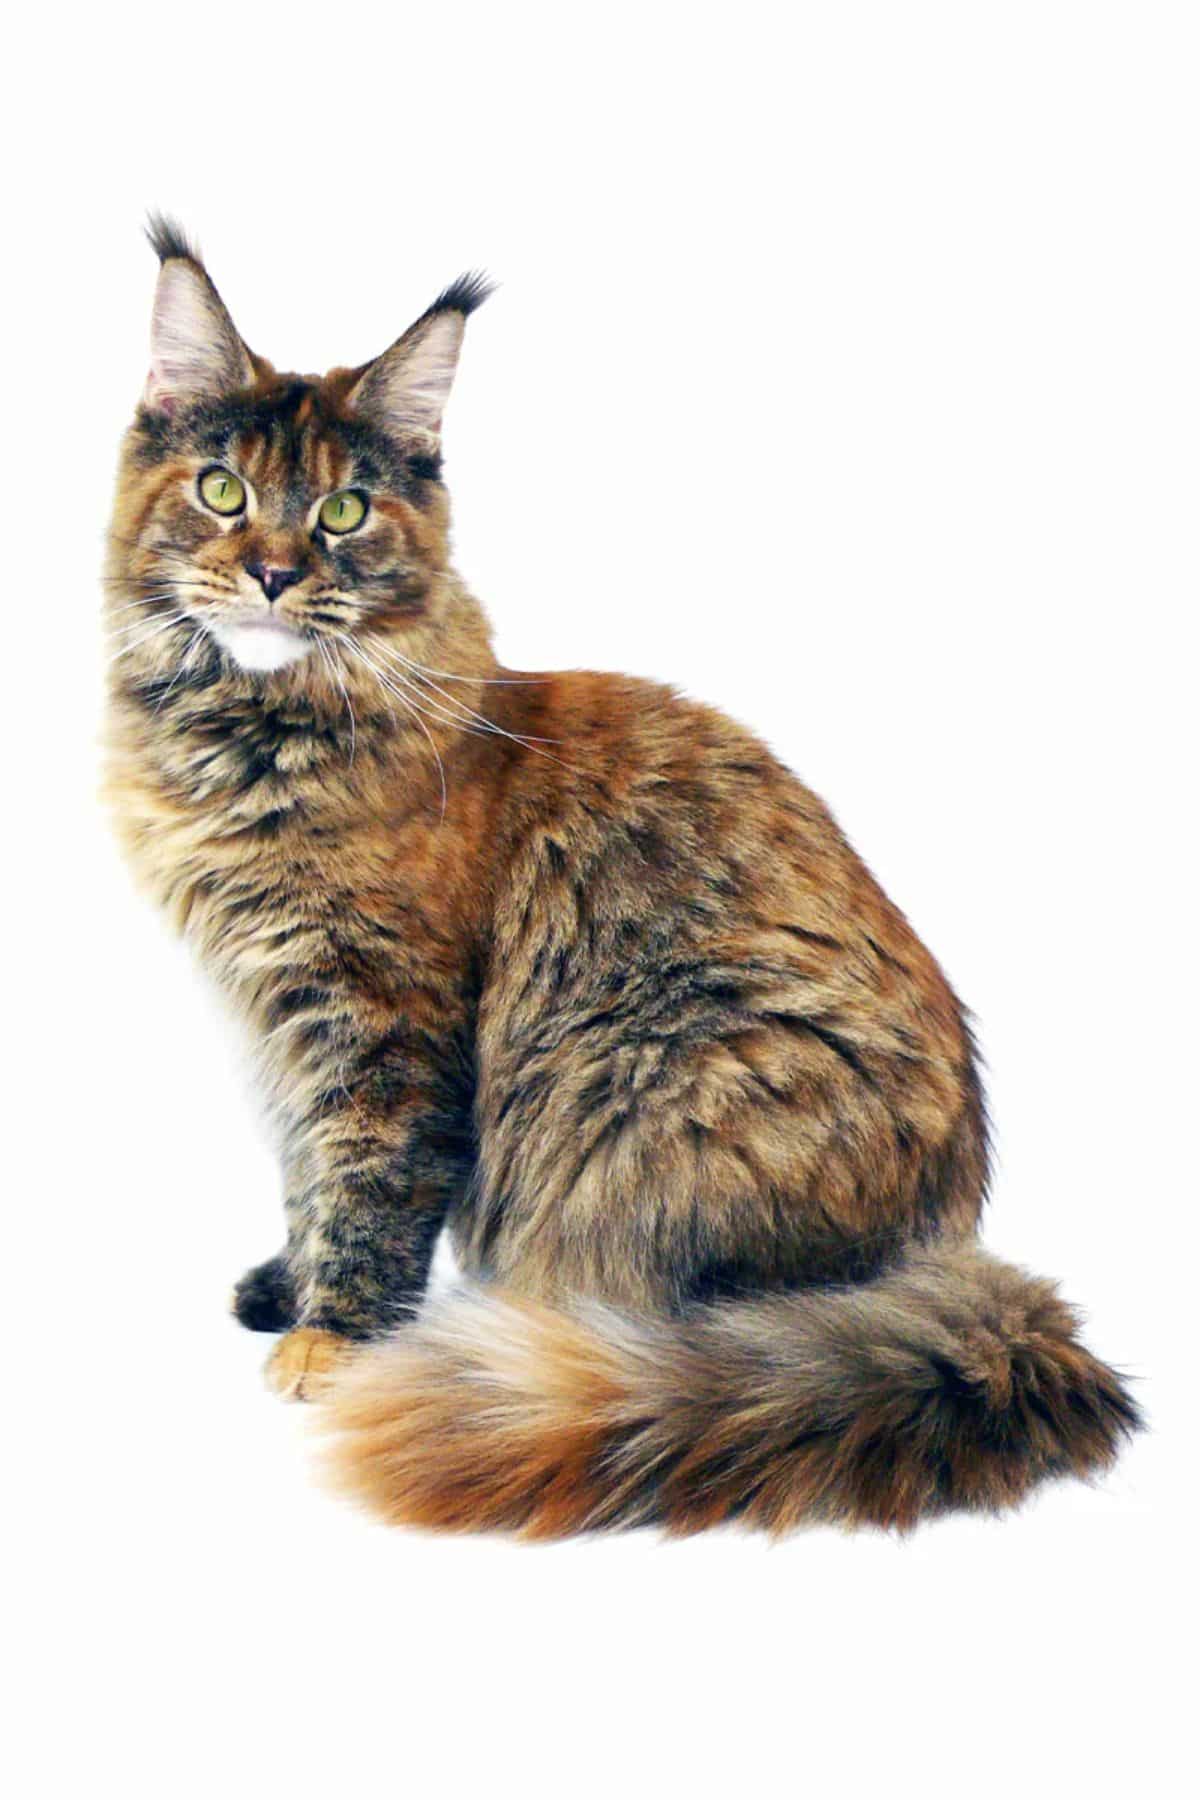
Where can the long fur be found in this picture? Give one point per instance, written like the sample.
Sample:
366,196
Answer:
568,965
955,1382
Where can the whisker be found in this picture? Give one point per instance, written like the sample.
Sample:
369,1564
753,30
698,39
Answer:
463,712
146,600
160,630
184,661
141,634
415,711
357,650
178,570
121,583
131,626
487,725
483,680
423,702
329,658
436,710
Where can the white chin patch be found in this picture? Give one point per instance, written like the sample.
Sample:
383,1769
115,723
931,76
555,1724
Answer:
261,647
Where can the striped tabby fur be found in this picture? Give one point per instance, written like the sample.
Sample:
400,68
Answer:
570,965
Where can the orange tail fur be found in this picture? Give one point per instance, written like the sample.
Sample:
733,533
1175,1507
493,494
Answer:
953,1382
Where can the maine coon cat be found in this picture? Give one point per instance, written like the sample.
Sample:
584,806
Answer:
570,965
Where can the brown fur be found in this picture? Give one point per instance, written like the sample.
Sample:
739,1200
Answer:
576,967
952,1383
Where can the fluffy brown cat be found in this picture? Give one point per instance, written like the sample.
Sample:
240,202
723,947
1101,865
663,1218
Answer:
570,965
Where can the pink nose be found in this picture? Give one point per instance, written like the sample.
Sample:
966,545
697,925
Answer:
272,581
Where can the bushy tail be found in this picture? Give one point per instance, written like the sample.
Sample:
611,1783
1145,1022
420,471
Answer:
953,1382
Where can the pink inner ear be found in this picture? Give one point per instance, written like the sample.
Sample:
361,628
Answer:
153,395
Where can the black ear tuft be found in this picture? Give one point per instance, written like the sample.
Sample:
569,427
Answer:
169,239
407,387
462,296
196,353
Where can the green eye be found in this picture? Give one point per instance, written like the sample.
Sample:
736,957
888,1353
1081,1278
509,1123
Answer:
342,512
223,491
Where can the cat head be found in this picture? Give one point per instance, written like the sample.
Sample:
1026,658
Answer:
268,510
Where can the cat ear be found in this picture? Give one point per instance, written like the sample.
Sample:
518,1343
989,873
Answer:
405,390
195,350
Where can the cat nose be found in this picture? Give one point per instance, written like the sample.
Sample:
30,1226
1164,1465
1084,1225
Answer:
272,581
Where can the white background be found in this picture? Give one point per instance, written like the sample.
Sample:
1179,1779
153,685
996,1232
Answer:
844,371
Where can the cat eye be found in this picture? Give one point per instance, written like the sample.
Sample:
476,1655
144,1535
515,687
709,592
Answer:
342,512
223,491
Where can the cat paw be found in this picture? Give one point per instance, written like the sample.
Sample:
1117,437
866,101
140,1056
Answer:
264,1299
302,1362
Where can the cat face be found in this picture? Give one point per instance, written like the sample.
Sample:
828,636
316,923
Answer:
274,516
271,511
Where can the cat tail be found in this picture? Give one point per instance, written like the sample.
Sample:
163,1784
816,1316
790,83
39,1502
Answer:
951,1382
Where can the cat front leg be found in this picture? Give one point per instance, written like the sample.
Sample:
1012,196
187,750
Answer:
265,1297
375,1171
362,1268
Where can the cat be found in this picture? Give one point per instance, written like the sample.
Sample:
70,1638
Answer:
571,966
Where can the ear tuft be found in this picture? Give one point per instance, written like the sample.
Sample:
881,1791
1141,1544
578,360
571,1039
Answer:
195,351
167,238
464,294
406,389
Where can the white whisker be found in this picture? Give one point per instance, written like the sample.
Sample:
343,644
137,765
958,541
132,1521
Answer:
407,704
130,629
184,661
483,680
160,630
484,724
146,600
436,710
329,657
